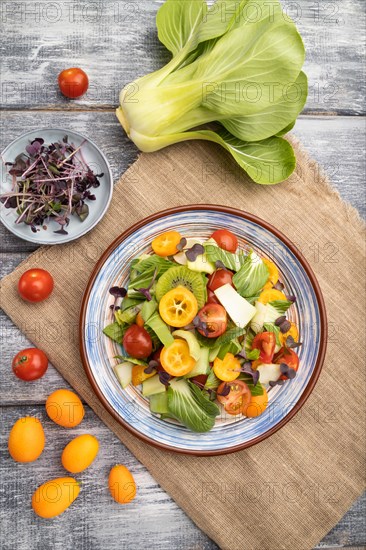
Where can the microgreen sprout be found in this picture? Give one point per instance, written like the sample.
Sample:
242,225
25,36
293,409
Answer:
50,182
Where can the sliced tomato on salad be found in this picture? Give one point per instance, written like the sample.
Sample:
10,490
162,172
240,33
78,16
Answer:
215,318
266,343
235,396
225,239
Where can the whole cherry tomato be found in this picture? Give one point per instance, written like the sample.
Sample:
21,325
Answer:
73,82
137,342
30,364
35,285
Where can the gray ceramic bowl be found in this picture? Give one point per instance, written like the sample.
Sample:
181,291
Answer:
97,162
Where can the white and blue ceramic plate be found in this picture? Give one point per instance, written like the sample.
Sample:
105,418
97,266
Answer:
128,406
76,228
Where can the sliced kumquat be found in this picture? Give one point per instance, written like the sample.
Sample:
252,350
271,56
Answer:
176,359
293,331
178,307
270,295
273,271
227,369
166,244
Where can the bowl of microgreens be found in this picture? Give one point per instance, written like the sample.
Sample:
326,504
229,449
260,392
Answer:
55,186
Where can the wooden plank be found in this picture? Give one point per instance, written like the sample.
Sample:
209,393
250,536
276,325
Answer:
95,521
152,520
115,41
328,139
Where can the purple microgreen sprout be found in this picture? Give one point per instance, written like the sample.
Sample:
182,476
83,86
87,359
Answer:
285,326
279,286
247,369
280,320
219,265
146,291
200,325
164,378
117,292
287,371
291,298
290,343
225,391
193,252
152,366
242,353
182,244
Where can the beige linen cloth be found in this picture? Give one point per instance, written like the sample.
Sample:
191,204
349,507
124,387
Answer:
291,489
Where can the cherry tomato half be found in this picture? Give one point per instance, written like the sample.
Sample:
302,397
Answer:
30,364
225,239
35,285
220,277
137,342
288,356
266,343
214,315
238,397
73,82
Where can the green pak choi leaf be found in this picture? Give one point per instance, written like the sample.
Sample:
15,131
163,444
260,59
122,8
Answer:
236,63
187,404
252,276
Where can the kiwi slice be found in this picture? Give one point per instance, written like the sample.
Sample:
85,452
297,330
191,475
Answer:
182,276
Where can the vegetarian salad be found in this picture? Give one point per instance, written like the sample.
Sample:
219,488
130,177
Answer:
203,329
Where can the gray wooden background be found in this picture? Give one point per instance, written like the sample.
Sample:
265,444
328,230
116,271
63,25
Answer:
115,41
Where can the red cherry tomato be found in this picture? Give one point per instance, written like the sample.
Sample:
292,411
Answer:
266,343
30,364
35,285
73,82
220,277
214,315
211,297
288,356
137,342
225,239
238,397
